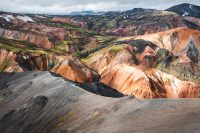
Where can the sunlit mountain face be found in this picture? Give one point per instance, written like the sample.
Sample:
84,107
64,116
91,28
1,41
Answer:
99,66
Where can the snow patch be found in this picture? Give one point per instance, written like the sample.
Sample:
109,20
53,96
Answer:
38,16
185,14
7,17
25,18
174,86
10,17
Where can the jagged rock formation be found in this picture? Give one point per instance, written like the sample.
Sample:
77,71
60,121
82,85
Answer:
41,102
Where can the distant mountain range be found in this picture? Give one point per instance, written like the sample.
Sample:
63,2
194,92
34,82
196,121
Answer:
84,13
184,9
93,13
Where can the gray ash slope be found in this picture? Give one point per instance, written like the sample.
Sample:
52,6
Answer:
39,102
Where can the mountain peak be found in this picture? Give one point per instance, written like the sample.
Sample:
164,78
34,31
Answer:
186,9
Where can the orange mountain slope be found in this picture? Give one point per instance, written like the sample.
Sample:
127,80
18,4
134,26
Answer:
145,70
174,40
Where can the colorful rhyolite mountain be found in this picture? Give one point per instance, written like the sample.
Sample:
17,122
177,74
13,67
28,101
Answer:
159,57
169,68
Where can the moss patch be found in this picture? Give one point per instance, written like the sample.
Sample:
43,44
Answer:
1,98
64,119
113,48
117,48
5,64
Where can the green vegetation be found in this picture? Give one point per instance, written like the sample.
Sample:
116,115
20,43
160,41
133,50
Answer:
117,48
1,98
180,71
64,119
5,64
105,39
115,20
76,28
167,62
61,47
5,95
111,24
103,42
18,46
113,48
23,46
67,25
10,48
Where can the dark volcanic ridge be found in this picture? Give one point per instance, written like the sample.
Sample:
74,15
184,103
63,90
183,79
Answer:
186,9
